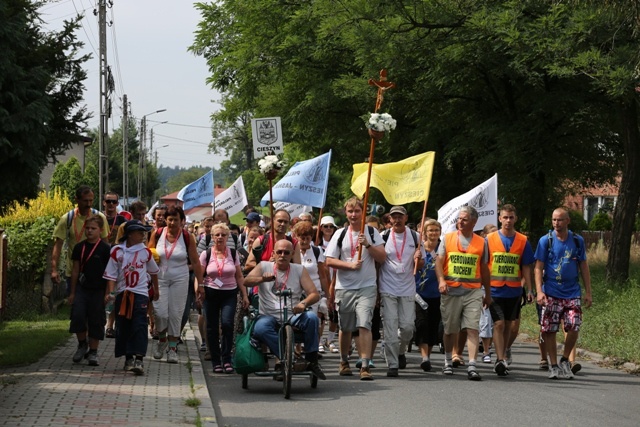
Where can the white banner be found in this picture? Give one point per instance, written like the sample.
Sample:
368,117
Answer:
293,209
267,136
484,198
233,199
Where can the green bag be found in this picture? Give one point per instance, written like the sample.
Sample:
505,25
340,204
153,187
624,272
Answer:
248,359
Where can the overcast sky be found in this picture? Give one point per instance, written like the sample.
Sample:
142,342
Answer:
147,51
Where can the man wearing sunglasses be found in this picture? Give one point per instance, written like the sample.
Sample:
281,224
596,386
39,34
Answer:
280,274
109,205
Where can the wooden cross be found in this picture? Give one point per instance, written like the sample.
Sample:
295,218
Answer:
382,86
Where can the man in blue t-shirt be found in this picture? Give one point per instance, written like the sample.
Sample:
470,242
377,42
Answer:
560,259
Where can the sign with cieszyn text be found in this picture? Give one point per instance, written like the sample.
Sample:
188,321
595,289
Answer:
267,136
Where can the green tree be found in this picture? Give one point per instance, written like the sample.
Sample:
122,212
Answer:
601,222
68,176
41,81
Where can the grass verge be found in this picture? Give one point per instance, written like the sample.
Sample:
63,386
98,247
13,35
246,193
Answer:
26,340
610,325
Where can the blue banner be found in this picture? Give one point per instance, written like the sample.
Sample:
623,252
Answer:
305,183
197,193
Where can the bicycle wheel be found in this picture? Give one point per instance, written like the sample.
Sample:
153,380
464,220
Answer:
287,360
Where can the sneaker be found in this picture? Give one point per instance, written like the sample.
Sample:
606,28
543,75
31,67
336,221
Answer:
554,373
203,346
161,347
172,355
500,368
473,375
402,361
321,349
80,352
128,364
359,364
426,365
486,358
392,372
207,355
576,367
333,348
316,369
371,364
365,374
345,370
565,367
509,359
92,358
138,367
447,370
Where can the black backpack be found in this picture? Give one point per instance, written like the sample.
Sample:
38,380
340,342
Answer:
233,256
387,233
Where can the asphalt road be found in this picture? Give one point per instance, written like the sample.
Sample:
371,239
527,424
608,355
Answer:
596,397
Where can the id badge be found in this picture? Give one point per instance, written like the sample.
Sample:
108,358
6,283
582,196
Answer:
217,283
400,268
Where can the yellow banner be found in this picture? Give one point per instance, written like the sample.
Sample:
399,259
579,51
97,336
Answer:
406,181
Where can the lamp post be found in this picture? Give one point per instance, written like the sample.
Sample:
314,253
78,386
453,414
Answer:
143,142
156,159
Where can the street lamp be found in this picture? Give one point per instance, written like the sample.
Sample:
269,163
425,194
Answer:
156,153
143,143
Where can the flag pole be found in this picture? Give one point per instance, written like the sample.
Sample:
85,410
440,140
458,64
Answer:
382,86
424,215
272,225
318,231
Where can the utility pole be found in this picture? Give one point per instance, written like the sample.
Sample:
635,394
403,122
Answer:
143,137
125,154
103,169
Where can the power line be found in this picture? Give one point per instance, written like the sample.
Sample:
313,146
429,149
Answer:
84,29
181,124
182,139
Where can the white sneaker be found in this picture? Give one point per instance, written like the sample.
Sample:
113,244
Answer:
321,349
554,372
161,347
565,367
172,355
334,348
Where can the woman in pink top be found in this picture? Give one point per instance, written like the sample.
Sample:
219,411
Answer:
222,279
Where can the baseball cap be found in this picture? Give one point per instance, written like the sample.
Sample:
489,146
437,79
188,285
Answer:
253,217
134,225
398,209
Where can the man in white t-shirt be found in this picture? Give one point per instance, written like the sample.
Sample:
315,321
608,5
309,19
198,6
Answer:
397,287
278,275
355,289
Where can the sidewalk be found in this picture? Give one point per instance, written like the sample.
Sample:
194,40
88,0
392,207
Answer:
56,392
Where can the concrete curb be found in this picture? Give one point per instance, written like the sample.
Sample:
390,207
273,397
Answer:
205,410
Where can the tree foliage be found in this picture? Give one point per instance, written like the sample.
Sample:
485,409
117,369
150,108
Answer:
41,85
540,91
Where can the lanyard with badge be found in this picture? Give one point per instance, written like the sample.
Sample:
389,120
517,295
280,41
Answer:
217,282
282,285
353,248
168,252
399,266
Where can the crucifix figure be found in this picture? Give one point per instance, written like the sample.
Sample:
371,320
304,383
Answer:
382,86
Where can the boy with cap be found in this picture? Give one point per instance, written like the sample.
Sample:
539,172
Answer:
131,266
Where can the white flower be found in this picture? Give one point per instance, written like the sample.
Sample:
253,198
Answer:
270,163
381,122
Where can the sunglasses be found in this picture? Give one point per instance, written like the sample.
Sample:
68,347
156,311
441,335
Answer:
327,226
283,252
111,202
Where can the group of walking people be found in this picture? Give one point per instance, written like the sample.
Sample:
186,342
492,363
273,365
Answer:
416,286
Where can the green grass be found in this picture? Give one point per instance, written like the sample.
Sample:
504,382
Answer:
610,326
25,341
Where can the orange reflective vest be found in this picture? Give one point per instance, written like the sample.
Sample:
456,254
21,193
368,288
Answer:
505,266
462,268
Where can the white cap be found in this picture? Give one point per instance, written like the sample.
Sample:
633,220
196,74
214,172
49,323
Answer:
328,220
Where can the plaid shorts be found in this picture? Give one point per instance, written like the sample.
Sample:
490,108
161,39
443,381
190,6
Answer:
567,310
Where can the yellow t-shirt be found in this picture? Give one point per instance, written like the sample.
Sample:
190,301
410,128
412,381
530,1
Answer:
75,235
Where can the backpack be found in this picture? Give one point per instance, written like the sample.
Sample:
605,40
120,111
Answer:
233,256
387,233
207,239
576,242
344,232
316,252
70,215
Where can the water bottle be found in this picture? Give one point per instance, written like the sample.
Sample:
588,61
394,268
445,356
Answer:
422,303
112,298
